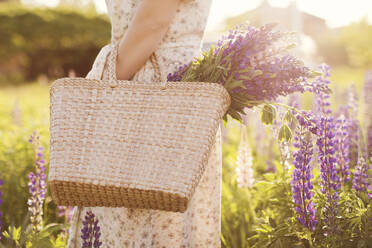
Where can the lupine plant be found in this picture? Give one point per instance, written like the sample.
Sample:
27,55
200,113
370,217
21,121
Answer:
37,184
244,171
342,149
360,182
324,214
301,183
33,232
90,233
326,143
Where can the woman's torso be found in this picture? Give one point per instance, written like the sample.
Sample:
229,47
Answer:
181,43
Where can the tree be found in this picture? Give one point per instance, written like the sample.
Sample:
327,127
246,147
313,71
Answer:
358,39
10,1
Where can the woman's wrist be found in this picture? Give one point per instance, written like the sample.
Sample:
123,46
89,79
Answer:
120,73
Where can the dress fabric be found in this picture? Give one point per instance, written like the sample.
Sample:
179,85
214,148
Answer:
200,225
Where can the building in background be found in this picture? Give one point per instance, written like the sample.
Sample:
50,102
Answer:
309,28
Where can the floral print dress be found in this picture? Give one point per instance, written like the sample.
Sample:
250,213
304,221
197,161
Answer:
200,225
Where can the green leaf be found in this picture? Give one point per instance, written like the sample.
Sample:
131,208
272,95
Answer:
291,46
219,56
285,133
13,233
268,114
315,74
224,118
235,115
269,176
234,84
245,77
256,73
272,75
289,118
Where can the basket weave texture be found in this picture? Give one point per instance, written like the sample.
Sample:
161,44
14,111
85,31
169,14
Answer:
132,144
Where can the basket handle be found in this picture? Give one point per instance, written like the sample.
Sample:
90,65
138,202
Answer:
112,65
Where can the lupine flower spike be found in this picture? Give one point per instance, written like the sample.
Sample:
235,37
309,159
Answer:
326,156
91,231
244,169
37,184
360,183
301,183
342,145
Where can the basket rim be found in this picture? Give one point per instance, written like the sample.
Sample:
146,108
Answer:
121,83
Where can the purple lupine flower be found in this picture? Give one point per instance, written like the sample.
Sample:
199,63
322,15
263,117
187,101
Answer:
342,146
90,231
177,75
270,75
37,184
330,182
252,65
308,120
301,184
1,202
328,172
360,183
322,98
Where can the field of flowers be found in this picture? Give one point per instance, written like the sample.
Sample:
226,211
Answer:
309,188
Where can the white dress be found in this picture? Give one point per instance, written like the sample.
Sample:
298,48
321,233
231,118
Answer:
200,225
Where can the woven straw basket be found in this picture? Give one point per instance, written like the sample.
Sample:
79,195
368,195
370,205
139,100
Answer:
117,143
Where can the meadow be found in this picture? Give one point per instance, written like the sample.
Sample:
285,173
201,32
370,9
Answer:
259,199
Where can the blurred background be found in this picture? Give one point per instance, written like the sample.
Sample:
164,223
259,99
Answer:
64,36
44,40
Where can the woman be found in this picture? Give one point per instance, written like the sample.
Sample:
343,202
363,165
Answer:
173,30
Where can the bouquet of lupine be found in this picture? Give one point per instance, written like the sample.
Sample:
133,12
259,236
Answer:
255,67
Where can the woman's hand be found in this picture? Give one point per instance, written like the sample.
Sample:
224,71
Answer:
144,34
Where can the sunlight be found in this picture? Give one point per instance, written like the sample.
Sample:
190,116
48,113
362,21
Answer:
347,11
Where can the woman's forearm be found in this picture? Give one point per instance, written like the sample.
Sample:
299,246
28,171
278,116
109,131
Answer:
144,35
